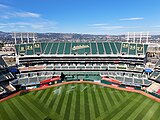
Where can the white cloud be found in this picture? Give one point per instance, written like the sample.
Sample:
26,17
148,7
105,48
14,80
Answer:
106,26
97,24
41,26
3,6
24,21
132,19
7,12
26,14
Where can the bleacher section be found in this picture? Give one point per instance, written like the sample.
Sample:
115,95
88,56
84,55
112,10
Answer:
155,75
127,78
80,48
83,67
31,78
5,77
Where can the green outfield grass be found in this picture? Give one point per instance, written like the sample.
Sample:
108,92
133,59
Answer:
80,102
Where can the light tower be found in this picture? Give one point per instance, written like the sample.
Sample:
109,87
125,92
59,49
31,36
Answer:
24,37
138,37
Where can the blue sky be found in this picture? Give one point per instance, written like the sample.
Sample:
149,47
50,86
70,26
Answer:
80,16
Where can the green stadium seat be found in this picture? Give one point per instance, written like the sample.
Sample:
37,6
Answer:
107,48
113,47
54,48
94,48
128,80
61,48
67,49
147,82
43,47
48,48
33,80
100,48
87,50
138,81
120,78
118,45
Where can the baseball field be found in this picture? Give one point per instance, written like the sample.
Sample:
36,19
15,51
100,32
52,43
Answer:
80,102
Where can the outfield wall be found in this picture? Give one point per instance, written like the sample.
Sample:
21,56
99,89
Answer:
87,82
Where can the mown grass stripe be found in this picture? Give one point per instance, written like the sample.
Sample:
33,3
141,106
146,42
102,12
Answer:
156,114
29,109
3,113
51,98
62,112
14,108
66,99
72,109
151,111
41,94
106,99
82,111
34,93
116,92
113,95
127,110
53,104
116,110
68,108
123,93
104,104
33,107
77,107
57,97
97,112
86,104
23,110
9,111
44,95
47,96
107,91
121,97
91,106
38,105
99,102
147,107
60,102
37,93
64,106
137,110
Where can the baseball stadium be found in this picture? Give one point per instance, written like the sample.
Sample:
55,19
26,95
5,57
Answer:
74,80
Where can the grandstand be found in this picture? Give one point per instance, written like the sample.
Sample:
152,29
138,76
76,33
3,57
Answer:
81,48
5,78
122,61
156,73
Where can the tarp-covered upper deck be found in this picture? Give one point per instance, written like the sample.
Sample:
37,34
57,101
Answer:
81,48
